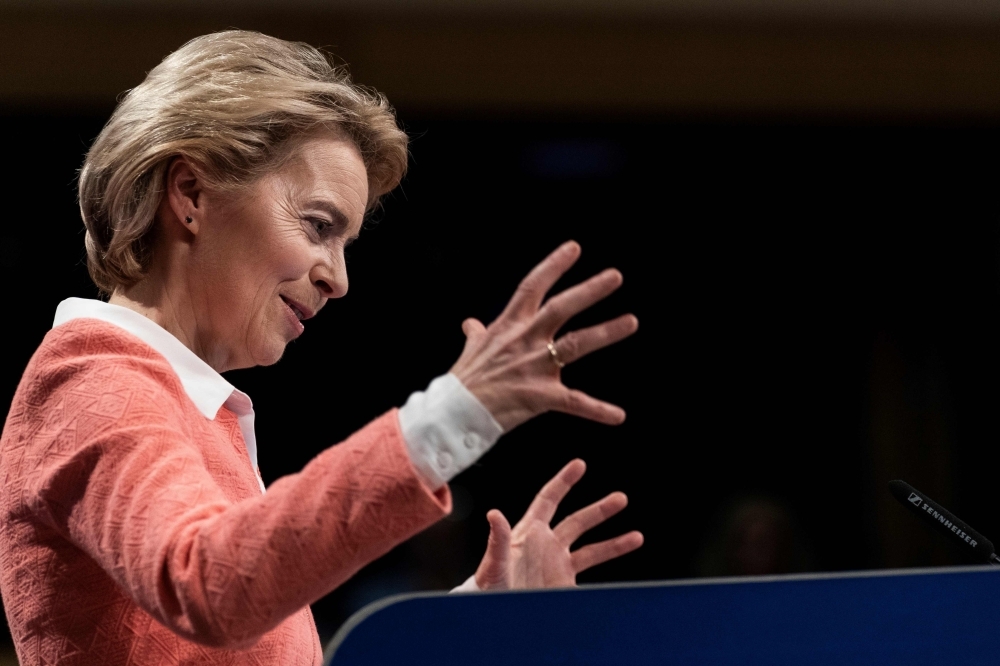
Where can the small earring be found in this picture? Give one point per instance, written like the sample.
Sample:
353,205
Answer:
188,219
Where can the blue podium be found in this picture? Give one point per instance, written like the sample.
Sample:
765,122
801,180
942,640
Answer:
911,617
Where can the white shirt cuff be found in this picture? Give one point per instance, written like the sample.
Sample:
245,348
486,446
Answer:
467,586
446,429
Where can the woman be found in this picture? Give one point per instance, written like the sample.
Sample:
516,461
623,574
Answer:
218,201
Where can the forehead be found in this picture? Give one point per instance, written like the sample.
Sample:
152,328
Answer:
327,167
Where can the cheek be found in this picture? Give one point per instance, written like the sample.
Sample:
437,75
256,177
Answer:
264,327
276,260
277,250
283,265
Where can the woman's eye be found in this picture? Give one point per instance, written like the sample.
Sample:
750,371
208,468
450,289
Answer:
320,225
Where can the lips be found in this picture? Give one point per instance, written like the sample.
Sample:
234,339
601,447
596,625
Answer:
294,308
297,313
300,311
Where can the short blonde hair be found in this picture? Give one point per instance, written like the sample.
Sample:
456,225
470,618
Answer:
234,102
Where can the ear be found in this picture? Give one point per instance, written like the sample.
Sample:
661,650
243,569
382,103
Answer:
183,195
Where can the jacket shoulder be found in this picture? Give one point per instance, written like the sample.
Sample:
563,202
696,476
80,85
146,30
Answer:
86,360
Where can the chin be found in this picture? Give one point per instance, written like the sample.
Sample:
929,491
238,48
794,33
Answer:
274,357
270,353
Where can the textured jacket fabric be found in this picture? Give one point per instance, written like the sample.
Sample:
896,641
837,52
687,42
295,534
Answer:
133,529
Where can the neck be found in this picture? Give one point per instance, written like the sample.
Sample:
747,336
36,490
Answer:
171,306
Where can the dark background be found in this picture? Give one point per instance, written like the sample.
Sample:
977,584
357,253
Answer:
818,303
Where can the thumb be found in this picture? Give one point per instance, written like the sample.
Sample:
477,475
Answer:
472,327
494,570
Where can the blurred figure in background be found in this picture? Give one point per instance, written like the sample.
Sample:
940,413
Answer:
756,536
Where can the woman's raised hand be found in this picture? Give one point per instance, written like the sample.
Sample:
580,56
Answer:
509,365
534,555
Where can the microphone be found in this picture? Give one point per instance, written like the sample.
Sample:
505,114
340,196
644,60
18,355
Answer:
944,521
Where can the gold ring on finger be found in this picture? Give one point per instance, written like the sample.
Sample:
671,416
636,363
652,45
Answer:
554,355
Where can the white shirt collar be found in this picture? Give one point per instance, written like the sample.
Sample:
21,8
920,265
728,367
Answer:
207,389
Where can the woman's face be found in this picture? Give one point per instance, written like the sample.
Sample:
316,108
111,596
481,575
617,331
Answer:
270,258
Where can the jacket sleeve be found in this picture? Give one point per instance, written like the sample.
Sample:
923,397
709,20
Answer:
120,478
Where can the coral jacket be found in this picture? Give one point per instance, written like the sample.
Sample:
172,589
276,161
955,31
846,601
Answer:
133,529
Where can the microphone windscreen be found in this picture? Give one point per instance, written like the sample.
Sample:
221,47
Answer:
942,520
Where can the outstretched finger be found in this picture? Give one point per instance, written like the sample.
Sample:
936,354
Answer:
578,403
598,553
472,327
493,570
544,506
573,526
577,344
564,305
531,292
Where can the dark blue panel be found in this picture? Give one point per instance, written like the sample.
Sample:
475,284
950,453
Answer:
912,618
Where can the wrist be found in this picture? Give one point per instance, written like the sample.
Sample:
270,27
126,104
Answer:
497,401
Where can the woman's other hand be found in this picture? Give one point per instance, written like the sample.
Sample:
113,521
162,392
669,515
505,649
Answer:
535,555
508,365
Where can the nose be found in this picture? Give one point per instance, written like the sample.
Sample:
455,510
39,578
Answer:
330,277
